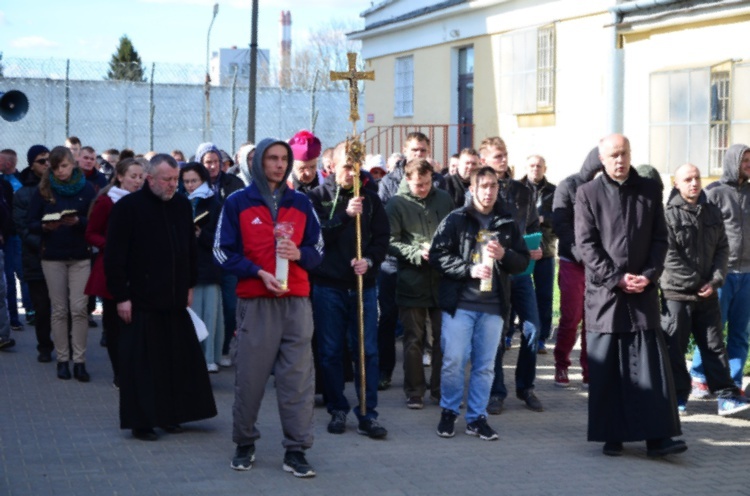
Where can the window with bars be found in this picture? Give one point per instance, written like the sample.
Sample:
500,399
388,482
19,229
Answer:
719,136
695,115
404,87
527,71
545,67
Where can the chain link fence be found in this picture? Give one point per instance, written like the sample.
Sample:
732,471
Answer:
166,112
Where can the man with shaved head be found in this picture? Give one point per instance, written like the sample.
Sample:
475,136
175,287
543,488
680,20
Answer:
621,236
694,270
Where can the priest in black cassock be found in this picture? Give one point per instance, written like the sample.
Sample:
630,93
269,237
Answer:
621,235
151,268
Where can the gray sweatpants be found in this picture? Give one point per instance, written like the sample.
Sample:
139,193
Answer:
274,334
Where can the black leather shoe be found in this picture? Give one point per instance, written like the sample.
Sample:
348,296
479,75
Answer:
664,447
63,371
79,372
612,448
145,434
45,356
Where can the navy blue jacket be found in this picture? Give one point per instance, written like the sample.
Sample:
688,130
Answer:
66,242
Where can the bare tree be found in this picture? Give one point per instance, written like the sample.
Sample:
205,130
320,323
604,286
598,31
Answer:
324,51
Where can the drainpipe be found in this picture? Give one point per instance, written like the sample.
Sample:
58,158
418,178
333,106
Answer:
617,96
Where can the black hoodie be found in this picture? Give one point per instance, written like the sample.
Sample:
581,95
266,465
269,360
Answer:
563,205
330,202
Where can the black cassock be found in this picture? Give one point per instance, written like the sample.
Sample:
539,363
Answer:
150,259
163,376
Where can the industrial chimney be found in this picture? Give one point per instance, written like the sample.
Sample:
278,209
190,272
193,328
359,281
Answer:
285,51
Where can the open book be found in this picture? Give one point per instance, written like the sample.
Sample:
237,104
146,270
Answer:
57,216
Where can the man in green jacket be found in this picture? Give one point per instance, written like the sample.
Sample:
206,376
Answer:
414,215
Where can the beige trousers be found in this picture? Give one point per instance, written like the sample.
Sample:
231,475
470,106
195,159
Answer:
66,281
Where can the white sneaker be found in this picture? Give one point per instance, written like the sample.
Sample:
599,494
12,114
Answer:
225,361
213,368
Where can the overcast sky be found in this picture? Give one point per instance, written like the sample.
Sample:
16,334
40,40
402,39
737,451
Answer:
161,30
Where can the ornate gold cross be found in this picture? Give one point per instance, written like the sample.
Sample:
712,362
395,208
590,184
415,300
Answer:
355,154
352,75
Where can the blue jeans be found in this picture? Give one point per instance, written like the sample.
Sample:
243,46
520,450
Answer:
523,300
12,269
468,336
335,317
544,280
734,299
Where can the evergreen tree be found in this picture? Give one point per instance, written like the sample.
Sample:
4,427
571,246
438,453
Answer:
125,64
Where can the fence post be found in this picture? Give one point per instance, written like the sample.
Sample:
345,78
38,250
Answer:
313,110
151,108
67,98
233,124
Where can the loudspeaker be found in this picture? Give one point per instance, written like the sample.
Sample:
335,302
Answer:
13,105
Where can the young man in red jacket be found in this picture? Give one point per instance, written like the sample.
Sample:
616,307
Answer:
274,324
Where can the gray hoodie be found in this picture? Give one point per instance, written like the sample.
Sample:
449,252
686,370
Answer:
733,199
271,199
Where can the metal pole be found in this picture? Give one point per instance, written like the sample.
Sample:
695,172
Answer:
67,98
234,110
252,87
151,108
207,85
313,111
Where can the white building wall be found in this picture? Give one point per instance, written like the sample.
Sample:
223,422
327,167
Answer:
696,47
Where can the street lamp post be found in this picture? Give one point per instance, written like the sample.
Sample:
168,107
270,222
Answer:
251,88
207,85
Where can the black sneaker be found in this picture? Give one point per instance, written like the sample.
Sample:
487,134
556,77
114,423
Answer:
480,428
44,356
372,429
295,462
447,425
92,323
414,403
244,456
337,425
532,402
16,325
6,343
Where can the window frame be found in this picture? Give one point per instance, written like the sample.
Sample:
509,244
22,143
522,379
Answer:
403,98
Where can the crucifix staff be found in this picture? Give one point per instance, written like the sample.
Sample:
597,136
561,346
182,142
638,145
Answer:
355,152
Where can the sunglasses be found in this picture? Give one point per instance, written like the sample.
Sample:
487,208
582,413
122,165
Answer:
41,161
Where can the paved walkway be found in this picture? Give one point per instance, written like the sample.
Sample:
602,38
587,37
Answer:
62,437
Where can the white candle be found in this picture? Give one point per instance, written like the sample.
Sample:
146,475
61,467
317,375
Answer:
486,284
283,230
282,272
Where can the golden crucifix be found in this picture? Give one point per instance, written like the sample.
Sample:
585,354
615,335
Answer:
355,153
353,75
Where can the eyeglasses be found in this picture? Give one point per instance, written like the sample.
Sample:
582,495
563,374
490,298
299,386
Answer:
41,161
